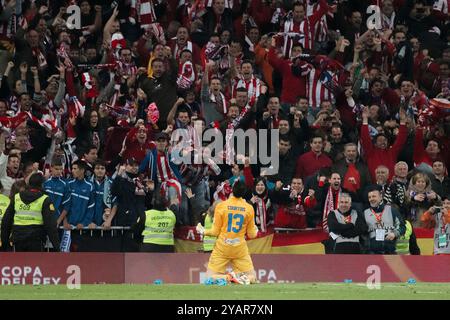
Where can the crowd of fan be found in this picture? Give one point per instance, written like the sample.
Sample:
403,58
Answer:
95,108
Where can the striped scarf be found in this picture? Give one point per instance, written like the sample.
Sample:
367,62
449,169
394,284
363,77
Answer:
186,75
262,205
232,125
177,50
329,206
144,12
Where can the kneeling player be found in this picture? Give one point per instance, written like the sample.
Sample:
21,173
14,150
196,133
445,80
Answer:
233,219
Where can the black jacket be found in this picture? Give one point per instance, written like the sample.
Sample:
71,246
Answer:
162,91
20,233
441,188
286,169
210,21
130,207
348,230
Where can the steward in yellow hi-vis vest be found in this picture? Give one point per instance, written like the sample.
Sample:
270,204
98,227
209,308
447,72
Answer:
30,217
233,220
158,228
208,241
4,204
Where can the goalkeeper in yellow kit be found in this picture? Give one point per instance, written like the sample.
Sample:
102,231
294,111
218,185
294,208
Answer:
233,219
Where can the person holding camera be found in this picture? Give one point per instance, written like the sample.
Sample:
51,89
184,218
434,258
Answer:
420,196
439,219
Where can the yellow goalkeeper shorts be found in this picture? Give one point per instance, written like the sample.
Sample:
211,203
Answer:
218,263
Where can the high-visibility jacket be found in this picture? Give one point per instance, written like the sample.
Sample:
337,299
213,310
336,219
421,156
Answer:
208,242
28,214
402,246
4,204
159,227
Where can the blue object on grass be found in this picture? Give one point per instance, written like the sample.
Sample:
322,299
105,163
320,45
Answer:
158,281
221,282
411,281
209,281
348,280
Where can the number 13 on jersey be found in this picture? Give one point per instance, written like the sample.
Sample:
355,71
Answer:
235,222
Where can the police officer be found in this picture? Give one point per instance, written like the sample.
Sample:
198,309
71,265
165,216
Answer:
159,223
29,218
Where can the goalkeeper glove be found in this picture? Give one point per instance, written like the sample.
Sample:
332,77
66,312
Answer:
200,229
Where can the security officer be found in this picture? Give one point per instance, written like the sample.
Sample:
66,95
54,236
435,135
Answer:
209,241
158,224
4,203
29,218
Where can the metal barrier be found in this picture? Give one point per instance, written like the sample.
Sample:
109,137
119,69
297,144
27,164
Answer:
97,239
112,229
289,230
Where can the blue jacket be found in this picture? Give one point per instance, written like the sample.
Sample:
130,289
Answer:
149,164
58,191
101,200
80,207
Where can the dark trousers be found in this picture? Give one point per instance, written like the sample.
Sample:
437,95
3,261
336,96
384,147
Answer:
347,248
29,245
150,247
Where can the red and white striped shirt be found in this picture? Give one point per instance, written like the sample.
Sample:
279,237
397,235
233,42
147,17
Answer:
253,87
315,89
307,27
321,27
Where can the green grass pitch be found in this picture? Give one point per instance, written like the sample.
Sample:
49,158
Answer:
295,291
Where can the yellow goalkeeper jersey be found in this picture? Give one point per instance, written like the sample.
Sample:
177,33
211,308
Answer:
233,219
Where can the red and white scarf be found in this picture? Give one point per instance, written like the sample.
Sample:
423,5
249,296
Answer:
329,206
144,12
164,170
186,75
177,50
165,175
261,213
253,87
229,147
37,53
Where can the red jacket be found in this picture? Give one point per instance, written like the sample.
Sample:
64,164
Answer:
309,163
420,154
375,157
293,86
136,150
